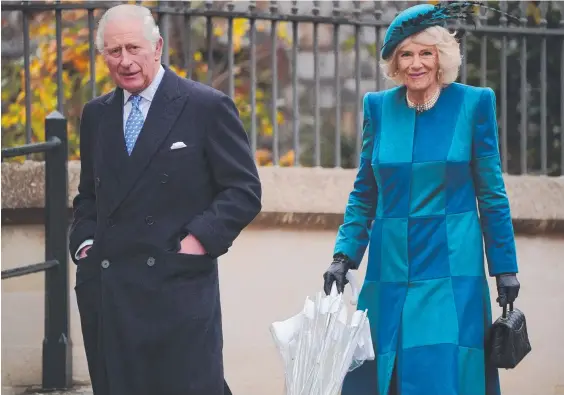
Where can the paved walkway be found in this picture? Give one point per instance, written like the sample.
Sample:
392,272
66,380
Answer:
75,391
266,277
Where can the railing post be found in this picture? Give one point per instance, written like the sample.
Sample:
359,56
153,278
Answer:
57,347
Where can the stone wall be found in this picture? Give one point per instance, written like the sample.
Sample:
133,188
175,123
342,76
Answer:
300,197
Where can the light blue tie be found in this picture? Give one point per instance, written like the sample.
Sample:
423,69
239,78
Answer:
134,123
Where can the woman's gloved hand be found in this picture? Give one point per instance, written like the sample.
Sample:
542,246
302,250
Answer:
507,288
337,272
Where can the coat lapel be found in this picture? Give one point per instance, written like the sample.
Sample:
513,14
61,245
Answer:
398,123
112,142
165,109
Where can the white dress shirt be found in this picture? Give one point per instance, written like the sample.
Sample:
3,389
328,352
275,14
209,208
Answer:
147,96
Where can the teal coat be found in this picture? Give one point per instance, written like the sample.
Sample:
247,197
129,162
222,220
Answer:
428,196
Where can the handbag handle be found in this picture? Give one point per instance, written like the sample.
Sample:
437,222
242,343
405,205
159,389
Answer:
504,315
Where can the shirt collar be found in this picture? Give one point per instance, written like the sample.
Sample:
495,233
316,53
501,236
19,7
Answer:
149,92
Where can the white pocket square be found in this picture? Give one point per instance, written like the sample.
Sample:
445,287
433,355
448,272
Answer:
177,145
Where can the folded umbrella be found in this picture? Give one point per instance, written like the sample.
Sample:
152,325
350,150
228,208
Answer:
320,345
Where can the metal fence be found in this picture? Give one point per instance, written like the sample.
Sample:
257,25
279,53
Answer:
300,69
57,350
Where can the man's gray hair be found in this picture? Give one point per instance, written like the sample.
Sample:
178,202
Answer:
129,11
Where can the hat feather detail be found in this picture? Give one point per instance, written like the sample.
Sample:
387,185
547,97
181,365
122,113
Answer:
436,16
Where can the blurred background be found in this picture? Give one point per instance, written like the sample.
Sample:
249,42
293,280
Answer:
297,70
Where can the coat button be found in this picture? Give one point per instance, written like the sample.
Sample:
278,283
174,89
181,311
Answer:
105,263
151,261
97,181
164,178
149,220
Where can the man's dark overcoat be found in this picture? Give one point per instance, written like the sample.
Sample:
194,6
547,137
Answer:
151,317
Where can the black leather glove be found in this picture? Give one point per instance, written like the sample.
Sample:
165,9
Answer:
507,288
337,272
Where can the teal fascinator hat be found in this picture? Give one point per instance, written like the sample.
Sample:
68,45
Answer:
419,17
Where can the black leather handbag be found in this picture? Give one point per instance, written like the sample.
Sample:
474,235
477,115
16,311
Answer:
509,339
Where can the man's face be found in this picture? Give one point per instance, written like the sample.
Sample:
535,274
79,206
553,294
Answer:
129,55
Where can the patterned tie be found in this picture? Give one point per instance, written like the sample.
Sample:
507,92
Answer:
134,123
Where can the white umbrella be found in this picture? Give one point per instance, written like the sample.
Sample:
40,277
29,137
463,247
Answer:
320,345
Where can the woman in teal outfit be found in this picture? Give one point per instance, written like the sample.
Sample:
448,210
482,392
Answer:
429,197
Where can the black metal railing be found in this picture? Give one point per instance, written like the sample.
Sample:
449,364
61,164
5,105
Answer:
57,349
299,69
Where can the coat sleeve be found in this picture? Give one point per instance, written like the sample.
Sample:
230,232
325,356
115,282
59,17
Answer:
353,234
236,178
83,226
493,204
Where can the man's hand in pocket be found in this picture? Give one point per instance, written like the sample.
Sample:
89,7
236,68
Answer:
190,245
84,252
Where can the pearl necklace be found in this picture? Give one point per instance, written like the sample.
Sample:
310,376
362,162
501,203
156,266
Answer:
425,106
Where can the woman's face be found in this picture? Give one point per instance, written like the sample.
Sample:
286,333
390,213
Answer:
418,66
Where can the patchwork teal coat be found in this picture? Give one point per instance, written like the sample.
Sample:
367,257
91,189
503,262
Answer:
428,198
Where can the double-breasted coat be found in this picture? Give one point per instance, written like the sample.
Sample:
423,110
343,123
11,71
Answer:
151,316
428,199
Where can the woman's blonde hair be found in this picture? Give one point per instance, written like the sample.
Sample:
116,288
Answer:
448,49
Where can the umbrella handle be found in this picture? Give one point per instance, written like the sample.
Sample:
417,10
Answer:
354,288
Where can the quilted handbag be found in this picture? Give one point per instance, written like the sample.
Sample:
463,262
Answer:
509,339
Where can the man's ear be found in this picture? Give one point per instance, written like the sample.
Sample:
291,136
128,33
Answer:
159,49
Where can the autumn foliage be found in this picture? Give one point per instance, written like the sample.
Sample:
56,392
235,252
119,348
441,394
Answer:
77,84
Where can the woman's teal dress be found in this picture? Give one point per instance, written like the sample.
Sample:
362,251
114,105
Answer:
429,194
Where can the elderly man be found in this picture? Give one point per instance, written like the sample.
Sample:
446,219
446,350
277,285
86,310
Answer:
167,183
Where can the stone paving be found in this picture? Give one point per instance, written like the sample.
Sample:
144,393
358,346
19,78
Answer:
76,391
282,268
79,390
